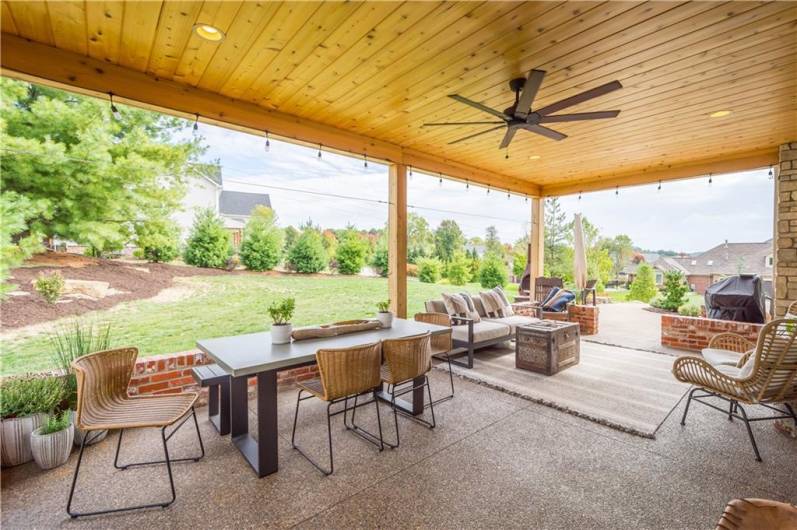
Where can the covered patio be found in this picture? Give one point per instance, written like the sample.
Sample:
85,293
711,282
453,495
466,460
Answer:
706,89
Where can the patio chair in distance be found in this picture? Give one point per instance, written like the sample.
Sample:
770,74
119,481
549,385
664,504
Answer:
764,376
407,361
103,403
441,346
344,373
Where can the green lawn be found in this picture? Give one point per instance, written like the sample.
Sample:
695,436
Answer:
228,305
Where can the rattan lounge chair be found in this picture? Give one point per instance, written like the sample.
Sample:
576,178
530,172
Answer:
344,374
407,361
103,403
768,375
441,345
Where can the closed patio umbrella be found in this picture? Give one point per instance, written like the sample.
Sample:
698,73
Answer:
579,254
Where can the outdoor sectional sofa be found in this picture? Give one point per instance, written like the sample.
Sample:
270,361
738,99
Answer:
468,336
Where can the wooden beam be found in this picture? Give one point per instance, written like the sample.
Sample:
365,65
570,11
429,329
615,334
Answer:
397,240
537,239
745,162
39,63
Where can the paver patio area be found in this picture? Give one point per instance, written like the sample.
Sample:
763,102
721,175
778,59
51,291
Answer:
630,325
493,461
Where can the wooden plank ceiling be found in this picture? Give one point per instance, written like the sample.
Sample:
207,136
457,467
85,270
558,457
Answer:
382,69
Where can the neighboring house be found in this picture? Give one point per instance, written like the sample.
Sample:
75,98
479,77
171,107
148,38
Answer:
207,191
728,259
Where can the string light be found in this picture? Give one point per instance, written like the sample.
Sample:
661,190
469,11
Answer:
488,190
507,195
579,195
268,143
467,184
196,123
118,116
440,179
365,160
659,188
617,191
710,179
410,171
319,151
526,198
771,174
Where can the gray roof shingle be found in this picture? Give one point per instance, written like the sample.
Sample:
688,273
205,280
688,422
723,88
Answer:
241,203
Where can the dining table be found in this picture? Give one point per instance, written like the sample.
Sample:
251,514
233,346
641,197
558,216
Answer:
252,355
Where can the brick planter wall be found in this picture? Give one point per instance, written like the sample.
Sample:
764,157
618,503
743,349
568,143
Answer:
693,333
586,316
171,374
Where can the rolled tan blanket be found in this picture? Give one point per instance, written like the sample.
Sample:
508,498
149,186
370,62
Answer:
334,329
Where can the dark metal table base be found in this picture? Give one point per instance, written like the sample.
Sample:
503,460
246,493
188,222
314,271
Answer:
414,408
262,454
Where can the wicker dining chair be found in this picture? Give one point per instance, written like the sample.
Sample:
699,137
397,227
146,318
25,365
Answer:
103,403
766,376
441,345
344,373
407,361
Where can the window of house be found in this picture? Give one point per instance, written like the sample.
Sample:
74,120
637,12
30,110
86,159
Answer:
770,261
710,262
694,262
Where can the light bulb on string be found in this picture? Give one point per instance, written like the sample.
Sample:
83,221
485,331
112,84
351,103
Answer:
771,174
117,116
267,147
410,171
467,184
507,195
526,198
488,190
365,160
710,179
579,195
196,124
617,191
659,188
319,151
440,179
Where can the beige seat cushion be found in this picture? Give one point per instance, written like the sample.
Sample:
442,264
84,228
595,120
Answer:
716,357
738,373
482,331
514,321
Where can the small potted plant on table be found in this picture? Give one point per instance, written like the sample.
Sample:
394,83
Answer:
384,314
52,442
281,312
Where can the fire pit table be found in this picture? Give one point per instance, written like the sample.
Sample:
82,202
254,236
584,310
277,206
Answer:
547,346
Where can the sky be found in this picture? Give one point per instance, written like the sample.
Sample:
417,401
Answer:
685,216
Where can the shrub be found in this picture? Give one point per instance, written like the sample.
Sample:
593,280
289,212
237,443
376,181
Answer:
158,239
50,286
57,422
459,270
429,270
70,341
643,288
209,243
519,260
689,310
261,249
351,252
307,254
379,261
475,266
674,291
492,272
281,311
30,395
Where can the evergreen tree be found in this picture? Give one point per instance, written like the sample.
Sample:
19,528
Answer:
643,288
351,252
555,259
209,244
307,254
261,248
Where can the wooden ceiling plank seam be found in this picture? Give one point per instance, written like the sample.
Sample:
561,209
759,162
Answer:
503,46
40,63
68,24
174,29
243,42
7,24
32,20
436,115
612,97
385,117
332,47
298,49
406,45
198,52
265,45
139,29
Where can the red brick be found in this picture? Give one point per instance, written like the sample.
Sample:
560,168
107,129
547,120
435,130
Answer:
181,381
152,387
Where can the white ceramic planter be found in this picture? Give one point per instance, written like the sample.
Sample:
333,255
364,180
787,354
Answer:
385,318
52,450
15,438
281,333
94,436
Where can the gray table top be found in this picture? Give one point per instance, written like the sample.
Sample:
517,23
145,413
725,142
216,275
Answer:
253,353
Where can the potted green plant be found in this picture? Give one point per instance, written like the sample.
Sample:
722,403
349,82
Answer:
68,342
24,404
281,312
52,442
384,314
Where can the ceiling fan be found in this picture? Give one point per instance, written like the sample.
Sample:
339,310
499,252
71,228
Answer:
522,116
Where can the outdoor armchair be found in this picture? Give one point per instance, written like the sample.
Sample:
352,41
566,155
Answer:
103,403
768,376
728,349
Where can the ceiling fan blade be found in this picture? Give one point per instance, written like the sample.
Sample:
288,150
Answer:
530,89
475,135
601,114
510,133
580,98
477,105
544,131
463,123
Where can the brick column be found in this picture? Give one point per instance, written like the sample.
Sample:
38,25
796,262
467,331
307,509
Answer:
786,229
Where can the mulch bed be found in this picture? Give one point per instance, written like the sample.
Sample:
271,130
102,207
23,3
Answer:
18,311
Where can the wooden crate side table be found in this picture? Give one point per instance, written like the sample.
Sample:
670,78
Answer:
547,347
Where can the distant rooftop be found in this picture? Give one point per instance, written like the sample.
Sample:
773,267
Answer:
241,203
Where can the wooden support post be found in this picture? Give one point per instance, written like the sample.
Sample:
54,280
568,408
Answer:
537,239
397,240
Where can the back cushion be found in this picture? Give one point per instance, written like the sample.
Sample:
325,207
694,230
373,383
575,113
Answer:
455,305
435,306
506,307
473,314
492,304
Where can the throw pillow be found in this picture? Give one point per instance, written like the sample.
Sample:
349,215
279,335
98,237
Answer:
473,314
492,304
455,305
506,306
559,302
550,295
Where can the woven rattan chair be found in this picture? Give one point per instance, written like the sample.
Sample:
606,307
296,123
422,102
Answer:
103,403
441,345
407,361
758,514
769,377
344,374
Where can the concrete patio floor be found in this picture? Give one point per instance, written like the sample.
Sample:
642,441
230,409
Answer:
630,325
493,461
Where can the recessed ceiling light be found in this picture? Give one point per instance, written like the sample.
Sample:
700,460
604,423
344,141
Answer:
208,32
534,157
720,113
